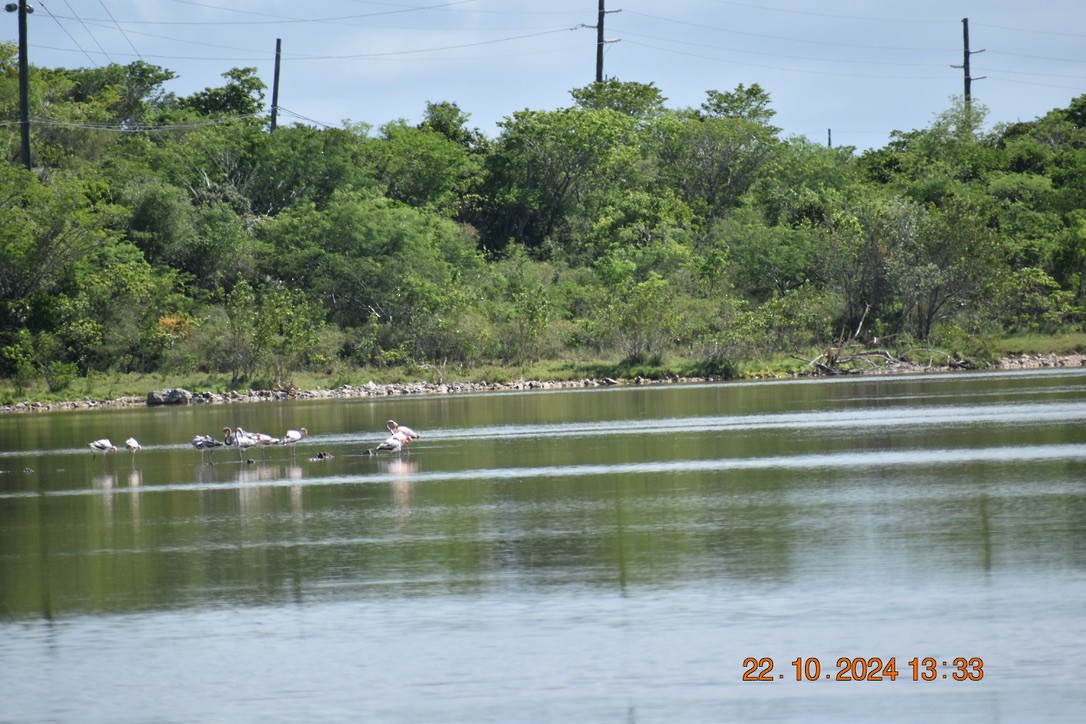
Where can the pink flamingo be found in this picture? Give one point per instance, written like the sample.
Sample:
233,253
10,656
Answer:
410,435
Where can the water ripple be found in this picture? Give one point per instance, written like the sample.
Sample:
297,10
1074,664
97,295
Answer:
836,461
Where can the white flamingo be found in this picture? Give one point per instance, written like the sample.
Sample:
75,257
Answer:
208,443
132,445
240,439
290,437
394,427
102,446
262,440
396,442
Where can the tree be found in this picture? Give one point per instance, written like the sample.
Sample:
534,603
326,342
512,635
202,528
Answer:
547,166
447,119
751,104
300,164
423,168
637,100
132,93
638,314
285,331
45,229
943,261
771,260
368,259
712,162
243,95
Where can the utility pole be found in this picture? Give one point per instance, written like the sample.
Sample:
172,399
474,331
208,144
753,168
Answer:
275,84
24,82
600,42
965,62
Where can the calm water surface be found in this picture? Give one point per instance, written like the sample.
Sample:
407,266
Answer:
606,555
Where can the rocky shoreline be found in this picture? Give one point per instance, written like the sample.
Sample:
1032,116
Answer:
179,396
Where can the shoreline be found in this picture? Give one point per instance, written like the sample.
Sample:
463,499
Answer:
180,397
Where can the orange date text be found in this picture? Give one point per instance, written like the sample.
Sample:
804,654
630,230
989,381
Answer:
874,668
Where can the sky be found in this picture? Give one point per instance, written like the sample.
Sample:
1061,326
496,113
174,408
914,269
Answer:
846,72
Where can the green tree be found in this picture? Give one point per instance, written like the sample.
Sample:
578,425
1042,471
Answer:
242,95
242,347
549,166
941,262
300,164
712,162
368,259
423,168
45,229
637,316
451,122
751,104
285,331
637,100
133,93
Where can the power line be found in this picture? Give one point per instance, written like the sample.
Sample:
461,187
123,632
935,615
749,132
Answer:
119,28
348,56
280,20
80,21
779,37
777,67
780,55
135,128
70,36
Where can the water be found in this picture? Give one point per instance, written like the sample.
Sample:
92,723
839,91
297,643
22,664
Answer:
606,555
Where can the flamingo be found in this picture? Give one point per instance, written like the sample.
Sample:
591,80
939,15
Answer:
206,442
394,427
132,445
240,439
395,443
262,440
102,446
292,436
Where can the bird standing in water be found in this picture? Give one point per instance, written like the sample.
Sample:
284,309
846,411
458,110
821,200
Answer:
206,443
262,440
290,437
395,443
133,447
102,446
409,434
240,439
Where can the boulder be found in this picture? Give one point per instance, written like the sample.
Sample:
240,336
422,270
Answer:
176,396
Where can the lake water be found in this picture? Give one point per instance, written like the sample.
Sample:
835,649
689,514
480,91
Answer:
628,554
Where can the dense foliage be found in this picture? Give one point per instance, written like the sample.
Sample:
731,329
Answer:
158,233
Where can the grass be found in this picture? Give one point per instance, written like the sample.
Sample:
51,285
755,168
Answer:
1070,343
99,386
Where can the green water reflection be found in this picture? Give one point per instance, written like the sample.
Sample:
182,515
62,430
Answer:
610,490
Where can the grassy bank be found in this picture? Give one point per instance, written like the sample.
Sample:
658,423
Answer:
116,386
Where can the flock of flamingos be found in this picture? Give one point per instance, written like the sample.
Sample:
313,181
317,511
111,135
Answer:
399,438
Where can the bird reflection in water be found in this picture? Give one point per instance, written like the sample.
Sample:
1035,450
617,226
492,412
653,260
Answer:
297,500
106,482
135,480
401,472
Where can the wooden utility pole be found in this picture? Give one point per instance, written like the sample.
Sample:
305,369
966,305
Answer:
275,83
600,41
966,52
24,80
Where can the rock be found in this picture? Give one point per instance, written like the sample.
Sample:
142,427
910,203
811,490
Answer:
176,396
